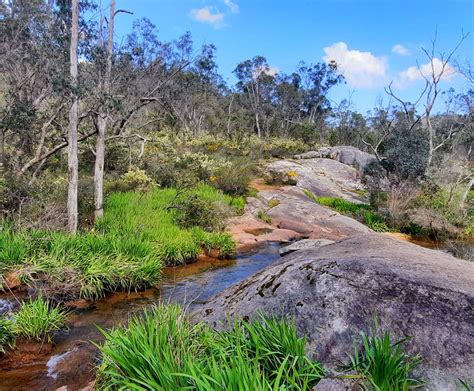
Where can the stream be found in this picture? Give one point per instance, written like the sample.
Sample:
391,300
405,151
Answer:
72,359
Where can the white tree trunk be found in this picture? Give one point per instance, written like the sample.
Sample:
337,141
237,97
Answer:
99,166
102,123
72,134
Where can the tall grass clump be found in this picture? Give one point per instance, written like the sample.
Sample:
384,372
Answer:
7,334
38,319
162,350
383,364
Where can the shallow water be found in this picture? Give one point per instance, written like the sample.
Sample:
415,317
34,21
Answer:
71,361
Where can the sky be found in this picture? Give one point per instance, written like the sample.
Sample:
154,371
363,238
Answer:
374,42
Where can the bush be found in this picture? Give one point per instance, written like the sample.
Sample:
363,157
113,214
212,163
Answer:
233,179
194,211
163,350
38,320
135,180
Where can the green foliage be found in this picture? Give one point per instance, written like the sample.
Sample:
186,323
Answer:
465,385
273,202
264,217
194,211
234,179
383,364
7,334
127,250
135,180
362,212
38,319
162,350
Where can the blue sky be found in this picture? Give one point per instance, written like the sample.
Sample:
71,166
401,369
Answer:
374,42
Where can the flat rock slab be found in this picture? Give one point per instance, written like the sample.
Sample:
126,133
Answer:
334,292
304,244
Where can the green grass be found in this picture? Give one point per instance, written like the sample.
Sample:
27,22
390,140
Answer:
362,212
264,217
162,350
7,334
126,250
38,319
383,364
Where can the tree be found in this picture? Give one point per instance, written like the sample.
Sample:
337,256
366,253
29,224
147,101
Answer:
104,89
255,81
73,171
420,112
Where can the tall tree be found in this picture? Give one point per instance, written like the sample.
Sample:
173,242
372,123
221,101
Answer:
72,199
104,85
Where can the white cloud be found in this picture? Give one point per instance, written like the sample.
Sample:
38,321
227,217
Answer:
401,50
361,69
234,7
435,67
268,70
208,15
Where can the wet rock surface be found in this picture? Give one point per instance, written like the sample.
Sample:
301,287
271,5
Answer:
304,244
335,291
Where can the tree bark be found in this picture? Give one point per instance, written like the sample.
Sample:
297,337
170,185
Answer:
102,123
72,198
2,152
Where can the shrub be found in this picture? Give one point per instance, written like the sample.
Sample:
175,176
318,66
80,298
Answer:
195,211
163,350
383,364
38,319
135,180
7,334
233,179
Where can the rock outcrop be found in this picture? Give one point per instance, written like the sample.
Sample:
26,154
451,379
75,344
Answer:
334,292
291,212
323,177
345,154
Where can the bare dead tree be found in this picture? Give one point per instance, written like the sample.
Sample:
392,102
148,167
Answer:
421,111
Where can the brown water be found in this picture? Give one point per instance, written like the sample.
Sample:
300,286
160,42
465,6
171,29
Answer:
72,360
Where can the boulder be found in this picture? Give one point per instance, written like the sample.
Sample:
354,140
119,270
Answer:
344,154
304,245
335,291
322,177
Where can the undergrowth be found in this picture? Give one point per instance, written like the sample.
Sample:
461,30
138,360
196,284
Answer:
127,249
162,350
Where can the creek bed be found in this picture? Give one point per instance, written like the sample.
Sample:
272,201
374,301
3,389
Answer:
72,359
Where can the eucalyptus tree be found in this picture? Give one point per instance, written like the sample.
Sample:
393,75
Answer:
73,164
256,81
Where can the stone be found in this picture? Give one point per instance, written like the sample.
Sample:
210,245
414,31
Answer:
322,177
344,154
334,292
304,245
